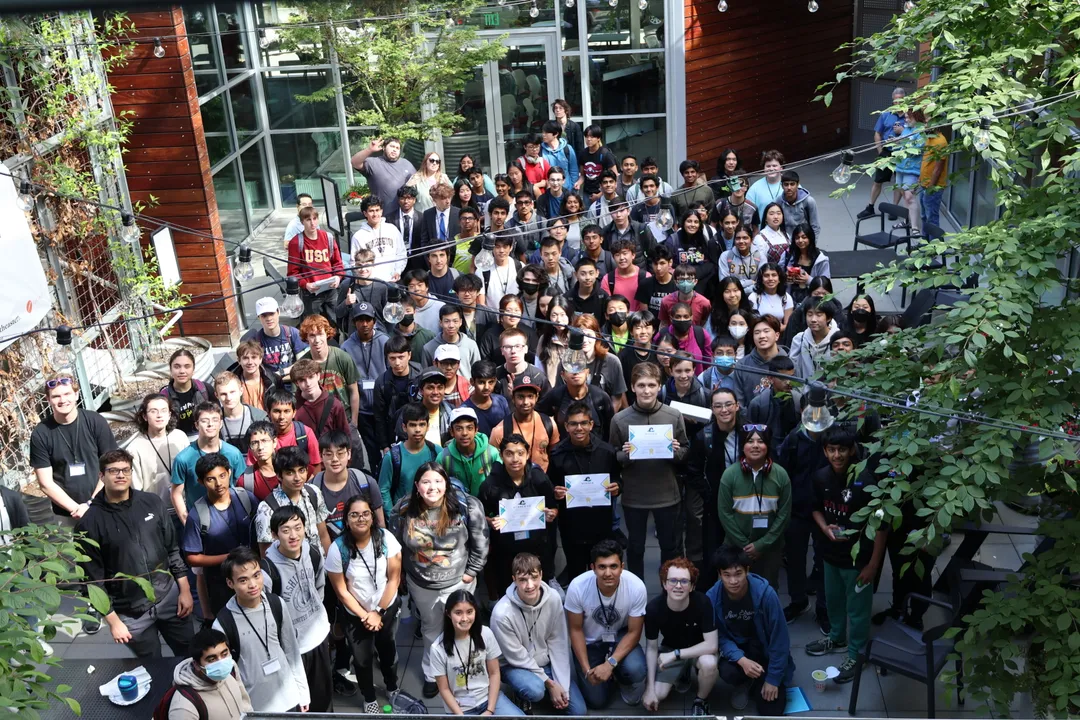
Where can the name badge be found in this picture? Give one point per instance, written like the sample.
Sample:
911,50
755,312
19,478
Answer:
271,666
761,521
460,680
76,469
368,384
524,535
608,637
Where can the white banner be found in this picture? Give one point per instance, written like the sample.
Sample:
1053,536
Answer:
24,292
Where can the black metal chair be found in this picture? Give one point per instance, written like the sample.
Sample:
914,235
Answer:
883,238
350,218
919,655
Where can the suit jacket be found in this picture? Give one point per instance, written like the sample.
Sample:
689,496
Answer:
395,218
429,231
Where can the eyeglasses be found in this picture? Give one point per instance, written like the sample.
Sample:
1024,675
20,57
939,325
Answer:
678,582
578,423
754,427
118,472
513,347
724,406
366,515
50,384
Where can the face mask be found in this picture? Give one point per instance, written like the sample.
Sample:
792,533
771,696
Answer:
408,320
861,315
218,671
737,331
724,362
686,286
681,326
617,319
529,288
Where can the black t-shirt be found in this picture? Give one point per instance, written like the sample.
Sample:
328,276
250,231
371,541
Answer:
63,447
335,499
594,164
443,286
185,403
739,616
651,291
838,500
681,630
629,359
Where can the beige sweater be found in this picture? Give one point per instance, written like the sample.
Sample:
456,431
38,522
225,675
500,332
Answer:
224,700
149,472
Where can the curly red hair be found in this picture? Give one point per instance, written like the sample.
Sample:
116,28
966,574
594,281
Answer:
684,564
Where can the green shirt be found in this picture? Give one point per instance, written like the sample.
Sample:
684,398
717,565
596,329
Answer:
338,373
463,260
410,462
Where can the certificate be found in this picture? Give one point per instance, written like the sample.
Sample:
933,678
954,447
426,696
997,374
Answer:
651,442
586,491
522,514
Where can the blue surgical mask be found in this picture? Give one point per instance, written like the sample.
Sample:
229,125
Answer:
685,286
219,670
724,362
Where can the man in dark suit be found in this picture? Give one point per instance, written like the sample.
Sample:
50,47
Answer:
408,221
439,224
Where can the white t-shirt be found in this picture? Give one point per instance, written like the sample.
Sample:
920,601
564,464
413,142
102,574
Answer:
606,615
466,671
775,305
499,281
358,575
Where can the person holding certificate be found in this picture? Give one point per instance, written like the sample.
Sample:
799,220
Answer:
516,492
649,485
580,455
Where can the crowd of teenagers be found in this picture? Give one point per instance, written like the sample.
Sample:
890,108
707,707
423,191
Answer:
348,472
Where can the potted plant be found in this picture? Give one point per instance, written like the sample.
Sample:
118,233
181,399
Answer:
354,194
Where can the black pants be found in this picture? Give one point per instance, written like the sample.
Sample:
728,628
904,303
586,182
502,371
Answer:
800,534
637,523
365,425
320,305
712,538
160,618
319,678
908,582
578,556
364,646
732,674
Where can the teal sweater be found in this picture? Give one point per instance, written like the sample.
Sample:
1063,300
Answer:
740,500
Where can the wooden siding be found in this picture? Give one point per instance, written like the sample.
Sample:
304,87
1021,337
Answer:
752,74
166,157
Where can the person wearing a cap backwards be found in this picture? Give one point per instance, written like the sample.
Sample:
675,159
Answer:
538,429
448,359
468,457
431,388
451,321
365,347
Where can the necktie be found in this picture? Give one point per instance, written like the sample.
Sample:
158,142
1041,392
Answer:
407,226
442,227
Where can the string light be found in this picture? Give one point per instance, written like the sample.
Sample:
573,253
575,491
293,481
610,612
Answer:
722,6
25,199
394,310
159,49
613,3
816,416
574,359
643,5
842,174
569,3
62,357
485,259
292,306
130,232
909,5
534,11
243,270
813,6
264,41
197,16
981,141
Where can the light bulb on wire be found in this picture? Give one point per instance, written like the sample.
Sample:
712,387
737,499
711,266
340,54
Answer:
25,199
613,3
159,49
982,136
502,2
243,270
665,219
393,311
534,12
816,416
569,3
292,306
485,259
909,5
574,359
62,357
130,231
842,174
813,6
722,6
264,39
643,5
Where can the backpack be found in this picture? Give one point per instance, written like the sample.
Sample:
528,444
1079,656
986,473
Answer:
611,278
161,712
395,464
202,510
201,393
331,243
275,577
343,552
486,274
300,431
313,492
228,624
508,425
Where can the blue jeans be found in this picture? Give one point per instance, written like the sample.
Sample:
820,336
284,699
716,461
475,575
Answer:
526,684
503,706
631,671
931,208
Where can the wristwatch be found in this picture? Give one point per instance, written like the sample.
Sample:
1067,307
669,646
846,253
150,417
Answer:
613,662
678,654
380,610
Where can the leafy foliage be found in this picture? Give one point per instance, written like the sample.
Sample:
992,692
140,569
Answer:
395,70
1009,350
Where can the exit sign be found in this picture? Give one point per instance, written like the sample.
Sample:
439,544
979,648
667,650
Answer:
491,19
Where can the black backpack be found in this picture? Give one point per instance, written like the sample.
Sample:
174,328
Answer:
161,712
508,425
202,511
275,577
486,274
395,464
228,624
611,278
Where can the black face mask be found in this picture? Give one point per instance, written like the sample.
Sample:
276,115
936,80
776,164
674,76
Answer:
617,319
860,315
681,326
530,288
407,320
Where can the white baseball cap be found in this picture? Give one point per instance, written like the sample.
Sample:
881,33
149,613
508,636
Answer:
266,305
447,352
462,412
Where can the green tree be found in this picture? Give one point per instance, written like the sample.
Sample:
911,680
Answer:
398,75
1009,350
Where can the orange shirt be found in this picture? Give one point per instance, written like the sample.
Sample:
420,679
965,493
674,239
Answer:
534,432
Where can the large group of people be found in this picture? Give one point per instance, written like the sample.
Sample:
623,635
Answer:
355,468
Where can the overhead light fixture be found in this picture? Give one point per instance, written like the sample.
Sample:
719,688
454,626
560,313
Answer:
159,49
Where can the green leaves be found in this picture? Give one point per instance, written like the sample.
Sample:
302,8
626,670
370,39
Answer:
99,599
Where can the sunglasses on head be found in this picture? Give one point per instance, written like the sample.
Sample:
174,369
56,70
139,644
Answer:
754,427
50,384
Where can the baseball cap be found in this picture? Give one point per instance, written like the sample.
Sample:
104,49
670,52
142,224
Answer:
363,310
463,412
429,375
265,305
447,352
530,379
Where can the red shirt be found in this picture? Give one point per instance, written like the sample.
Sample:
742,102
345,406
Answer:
316,262
262,485
627,287
289,440
700,308
534,172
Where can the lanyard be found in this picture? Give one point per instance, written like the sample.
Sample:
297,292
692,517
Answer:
168,447
367,362
370,570
528,629
225,426
266,627
606,611
464,664
64,437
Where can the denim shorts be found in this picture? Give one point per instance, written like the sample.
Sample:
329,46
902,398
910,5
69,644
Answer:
907,181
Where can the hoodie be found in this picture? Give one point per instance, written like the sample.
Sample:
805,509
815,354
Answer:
809,355
649,484
436,562
744,267
473,470
532,637
370,365
310,412
741,500
803,210
802,456
747,381
284,689
564,157
389,398
467,347
302,591
224,700
772,632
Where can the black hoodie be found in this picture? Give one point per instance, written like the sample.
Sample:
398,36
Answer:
498,486
135,537
583,525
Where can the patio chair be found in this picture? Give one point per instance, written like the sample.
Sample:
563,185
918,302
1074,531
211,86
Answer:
919,655
883,238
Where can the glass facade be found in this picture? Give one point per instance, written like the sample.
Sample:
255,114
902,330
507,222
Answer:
266,145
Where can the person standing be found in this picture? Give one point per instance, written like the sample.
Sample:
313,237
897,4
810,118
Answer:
571,130
883,128
383,238
338,371
281,344
595,160
156,447
129,532
185,391
366,347
296,226
315,259
933,174
236,417
186,488
767,189
385,174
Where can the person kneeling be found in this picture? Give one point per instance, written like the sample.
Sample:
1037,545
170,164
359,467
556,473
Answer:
528,622
685,619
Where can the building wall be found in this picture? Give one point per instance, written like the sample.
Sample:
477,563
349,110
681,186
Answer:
166,157
752,73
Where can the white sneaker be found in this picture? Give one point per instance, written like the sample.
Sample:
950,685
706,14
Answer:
631,694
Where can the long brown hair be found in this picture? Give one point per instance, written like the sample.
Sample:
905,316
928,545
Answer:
586,321
416,507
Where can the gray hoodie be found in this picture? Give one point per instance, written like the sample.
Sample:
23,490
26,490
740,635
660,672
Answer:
287,687
370,365
470,351
648,484
224,700
803,210
434,561
302,590
746,380
549,641
808,355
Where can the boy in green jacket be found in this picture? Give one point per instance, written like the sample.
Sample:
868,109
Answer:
754,503
468,457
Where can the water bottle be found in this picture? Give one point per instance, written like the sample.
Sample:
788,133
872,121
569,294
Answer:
403,703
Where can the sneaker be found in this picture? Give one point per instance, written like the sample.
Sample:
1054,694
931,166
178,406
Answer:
343,686
900,225
824,646
794,610
430,689
700,709
823,624
740,696
91,625
524,704
372,708
847,672
631,694
866,212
